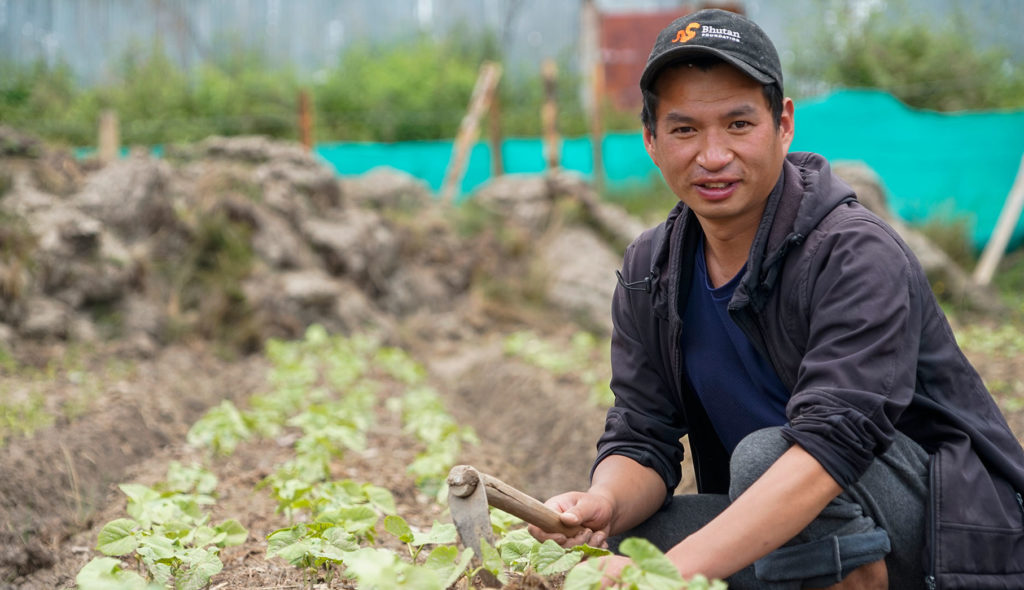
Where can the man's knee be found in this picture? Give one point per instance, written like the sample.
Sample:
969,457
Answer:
753,456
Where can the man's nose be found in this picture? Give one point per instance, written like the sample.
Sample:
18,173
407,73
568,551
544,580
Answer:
714,153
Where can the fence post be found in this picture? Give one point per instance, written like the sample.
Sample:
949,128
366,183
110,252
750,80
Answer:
996,246
305,120
549,117
483,91
496,136
108,143
591,46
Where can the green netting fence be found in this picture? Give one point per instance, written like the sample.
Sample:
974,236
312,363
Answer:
946,167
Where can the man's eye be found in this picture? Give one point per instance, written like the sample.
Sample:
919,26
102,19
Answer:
740,124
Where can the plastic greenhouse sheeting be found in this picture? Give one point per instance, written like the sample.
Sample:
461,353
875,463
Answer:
935,166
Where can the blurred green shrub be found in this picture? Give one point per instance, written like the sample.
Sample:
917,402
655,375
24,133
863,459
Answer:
924,62
414,91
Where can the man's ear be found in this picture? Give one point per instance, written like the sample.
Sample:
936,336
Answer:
649,145
787,123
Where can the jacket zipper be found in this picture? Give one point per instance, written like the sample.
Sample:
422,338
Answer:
930,580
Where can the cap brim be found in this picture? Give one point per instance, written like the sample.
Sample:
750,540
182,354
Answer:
653,68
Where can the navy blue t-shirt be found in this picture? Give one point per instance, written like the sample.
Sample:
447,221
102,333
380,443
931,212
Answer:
736,385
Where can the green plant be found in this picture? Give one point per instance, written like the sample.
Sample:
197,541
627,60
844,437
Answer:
168,532
22,414
330,545
220,429
925,63
107,573
650,570
417,90
585,359
425,417
1009,282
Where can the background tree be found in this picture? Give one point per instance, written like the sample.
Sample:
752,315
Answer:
943,66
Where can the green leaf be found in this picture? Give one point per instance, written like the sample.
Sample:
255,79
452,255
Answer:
341,539
502,522
381,498
397,526
589,551
155,548
442,560
202,536
105,573
700,582
516,548
117,537
138,493
652,570
305,544
648,558
491,561
221,429
234,533
585,576
358,520
439,534
189,479
289,544
383,570
299,553
199,566
550,558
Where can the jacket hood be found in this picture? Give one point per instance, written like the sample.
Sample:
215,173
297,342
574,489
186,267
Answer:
807,191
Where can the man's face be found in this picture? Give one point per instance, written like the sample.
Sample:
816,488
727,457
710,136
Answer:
716,144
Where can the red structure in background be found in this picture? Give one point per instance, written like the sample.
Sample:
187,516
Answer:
626,40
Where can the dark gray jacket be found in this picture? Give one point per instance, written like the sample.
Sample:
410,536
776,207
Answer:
841,307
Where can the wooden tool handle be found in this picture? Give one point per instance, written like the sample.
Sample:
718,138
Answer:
507,498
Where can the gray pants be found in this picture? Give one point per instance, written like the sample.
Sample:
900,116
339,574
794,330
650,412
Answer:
882,515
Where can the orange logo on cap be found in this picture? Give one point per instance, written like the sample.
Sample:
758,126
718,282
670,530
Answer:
686,34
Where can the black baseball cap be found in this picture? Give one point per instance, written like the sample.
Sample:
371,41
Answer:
727,35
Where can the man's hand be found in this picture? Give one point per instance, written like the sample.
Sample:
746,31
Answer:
612,566
622,494
589,510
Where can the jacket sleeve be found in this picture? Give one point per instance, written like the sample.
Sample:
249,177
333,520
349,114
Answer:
858,371
645,424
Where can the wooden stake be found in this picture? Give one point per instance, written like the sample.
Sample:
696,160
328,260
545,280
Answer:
483,91
597,128
496,136
549,117
1008,219
108,143
305,120
594,67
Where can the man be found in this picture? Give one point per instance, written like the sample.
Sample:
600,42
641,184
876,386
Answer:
838,435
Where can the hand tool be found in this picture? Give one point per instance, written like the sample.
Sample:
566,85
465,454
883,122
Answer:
469,494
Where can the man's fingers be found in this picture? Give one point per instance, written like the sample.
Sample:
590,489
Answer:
570,518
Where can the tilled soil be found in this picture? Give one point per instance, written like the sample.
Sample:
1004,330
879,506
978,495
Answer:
58,486
536,432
